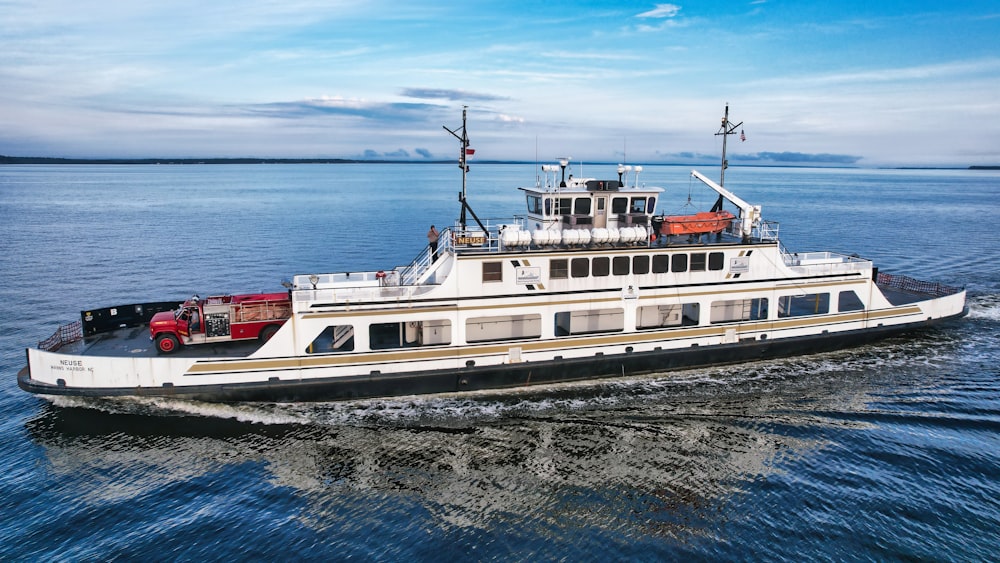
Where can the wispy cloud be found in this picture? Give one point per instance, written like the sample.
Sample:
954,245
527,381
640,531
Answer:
381,111
665,12
661,11
445,94
796,157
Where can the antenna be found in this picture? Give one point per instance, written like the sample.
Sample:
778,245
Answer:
463,155
464,141
726,130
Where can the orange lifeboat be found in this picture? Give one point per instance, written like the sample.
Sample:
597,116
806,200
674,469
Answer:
704,222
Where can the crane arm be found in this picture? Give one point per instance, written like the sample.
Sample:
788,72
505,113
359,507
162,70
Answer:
749,214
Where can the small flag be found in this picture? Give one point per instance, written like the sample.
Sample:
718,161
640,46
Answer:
470,152
743,136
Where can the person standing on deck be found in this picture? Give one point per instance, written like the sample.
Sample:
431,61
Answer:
432,238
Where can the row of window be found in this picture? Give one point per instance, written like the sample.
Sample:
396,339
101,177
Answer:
395,335
582,205
601,266
561,268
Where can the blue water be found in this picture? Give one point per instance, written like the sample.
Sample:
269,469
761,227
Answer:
886,452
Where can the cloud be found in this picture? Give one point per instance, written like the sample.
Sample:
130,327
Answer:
342,106
398,154
504,118
661,11
765,157
453,95
797,157
686,156
664,12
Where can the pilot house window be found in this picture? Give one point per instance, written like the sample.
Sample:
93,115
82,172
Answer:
534,205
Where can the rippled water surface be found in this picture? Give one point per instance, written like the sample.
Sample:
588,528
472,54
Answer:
885,452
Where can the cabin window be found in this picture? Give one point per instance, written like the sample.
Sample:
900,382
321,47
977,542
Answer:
337,338
564,206
385,336
580,267
601,266
506,327
661,263
619,205
558,269
640,265
620,265
650,204
698,262
492,271
679,263
581,206
548,206
802,305
716,261
534,205
849,301
731,310
659,316
638,205
589,322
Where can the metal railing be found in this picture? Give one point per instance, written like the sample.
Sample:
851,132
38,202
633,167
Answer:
65,334
825,262
911,285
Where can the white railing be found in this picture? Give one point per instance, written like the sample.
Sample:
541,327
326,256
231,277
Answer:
763,231
825,263
358,295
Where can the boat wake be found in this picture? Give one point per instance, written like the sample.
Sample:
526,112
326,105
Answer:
984,307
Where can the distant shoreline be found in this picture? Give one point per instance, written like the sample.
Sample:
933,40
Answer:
173,161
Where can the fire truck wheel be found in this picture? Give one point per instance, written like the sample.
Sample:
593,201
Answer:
166,343
267,332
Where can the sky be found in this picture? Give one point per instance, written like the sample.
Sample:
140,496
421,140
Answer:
857,83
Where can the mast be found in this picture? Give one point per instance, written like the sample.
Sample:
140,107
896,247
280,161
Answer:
726,130
464,153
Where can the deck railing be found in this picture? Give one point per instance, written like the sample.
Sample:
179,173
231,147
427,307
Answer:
825,262
65,334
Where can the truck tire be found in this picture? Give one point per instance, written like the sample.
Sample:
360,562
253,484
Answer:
267,332
167,344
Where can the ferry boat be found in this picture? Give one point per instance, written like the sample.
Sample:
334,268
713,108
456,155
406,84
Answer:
588,282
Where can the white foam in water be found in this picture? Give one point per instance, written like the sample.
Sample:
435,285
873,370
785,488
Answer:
985,307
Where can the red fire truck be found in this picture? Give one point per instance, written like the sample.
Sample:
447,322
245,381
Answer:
220,318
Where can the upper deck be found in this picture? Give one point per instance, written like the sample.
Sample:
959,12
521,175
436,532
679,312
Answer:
563,214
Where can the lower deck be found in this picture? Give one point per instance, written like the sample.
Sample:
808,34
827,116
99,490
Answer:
135,342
